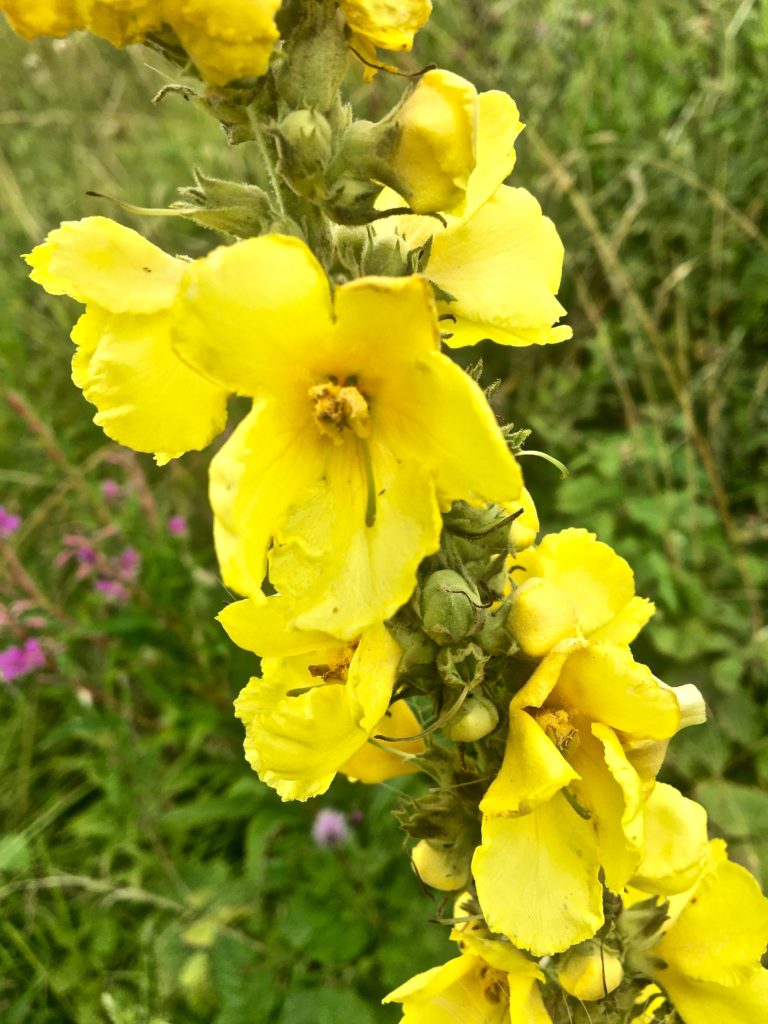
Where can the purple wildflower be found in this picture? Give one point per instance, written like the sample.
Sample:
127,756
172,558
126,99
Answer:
177,526
9,523
330,828
129,563
111,590
19,661
111,490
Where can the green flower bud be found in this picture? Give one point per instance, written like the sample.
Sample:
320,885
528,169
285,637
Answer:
476,718
305,141
315,59
449,607
228,206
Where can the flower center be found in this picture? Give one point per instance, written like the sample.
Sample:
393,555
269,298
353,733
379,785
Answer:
558,726
338,408
495,984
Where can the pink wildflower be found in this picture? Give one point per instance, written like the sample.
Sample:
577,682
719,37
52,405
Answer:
9,523
111,490
111,590
177,526
20,661
330,828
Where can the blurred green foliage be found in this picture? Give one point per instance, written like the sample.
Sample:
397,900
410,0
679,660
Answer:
145,874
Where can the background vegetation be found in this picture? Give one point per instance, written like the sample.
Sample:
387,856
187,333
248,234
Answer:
145,874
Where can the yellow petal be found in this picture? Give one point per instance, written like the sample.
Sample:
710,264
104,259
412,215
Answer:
340,573
627,623
722,931
262,625
526,1005
435,151
599,582
604,683
146,397
123,22
676,847
226,39
376,762
444,417
502,267
537,878
391,26
460,332
525,528
532,772
249,314
611,790
545,677
541,616
383,323
499,125
97,260
700,1002
281,456
225,473
42,18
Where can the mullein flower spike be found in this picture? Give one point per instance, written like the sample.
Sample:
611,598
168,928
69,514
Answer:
370,511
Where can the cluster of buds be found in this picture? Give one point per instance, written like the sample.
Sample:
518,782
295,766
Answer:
370,510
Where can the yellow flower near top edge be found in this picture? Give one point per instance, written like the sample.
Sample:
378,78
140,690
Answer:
145,396
45,18
572,584
390,24
501,259
310,713
436,147
360,429
708,956
567,803
225,39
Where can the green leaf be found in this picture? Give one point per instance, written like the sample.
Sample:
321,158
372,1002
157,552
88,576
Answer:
325,1006
14,852
741,812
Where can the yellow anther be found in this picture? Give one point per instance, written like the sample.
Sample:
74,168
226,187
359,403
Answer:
338,408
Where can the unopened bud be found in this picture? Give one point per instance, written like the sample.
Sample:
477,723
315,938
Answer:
449,607
540,616
440,866
590,972
304,138
435,153
525,527
476,717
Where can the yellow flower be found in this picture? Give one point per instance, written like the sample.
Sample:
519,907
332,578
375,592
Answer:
146,397
567,802
360,429
435,151
311,712
708,957
490,983
572,584
123,21
226,39
47,18
501,259
390,24
676,850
